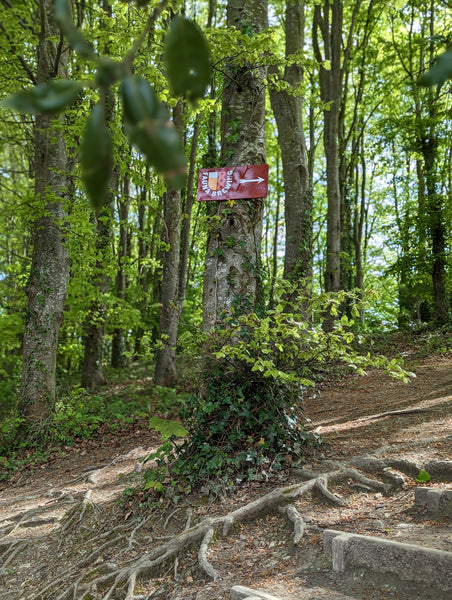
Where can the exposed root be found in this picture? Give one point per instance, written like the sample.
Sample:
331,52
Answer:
117,576
297,520
202,555
10,554
321,485
75,516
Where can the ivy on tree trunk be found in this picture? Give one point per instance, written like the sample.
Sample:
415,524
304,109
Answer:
232,276
49,273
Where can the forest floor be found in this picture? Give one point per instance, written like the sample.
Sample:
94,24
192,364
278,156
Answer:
61,524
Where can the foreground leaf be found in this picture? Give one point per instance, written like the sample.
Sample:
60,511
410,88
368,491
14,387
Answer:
96,157
423,476
167,428
63,15
51,98
439,72
148,127
187,59
139,100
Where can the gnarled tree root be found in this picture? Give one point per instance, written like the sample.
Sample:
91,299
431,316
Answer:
118,578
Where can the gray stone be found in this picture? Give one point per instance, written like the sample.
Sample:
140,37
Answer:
407,562
439,470
240,592
438,502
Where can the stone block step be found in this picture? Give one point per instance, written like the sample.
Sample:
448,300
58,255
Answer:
438,502
240,592
405,562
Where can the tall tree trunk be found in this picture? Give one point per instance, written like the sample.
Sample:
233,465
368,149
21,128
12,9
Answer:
328,20
117,343
232,275
144,252
92,375
287,108
186,221
165,366
47,283
435,201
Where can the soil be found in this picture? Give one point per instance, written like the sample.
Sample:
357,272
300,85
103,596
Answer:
70,516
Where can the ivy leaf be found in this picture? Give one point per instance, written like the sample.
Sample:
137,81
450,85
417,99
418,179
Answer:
167,428
50,98
148,127
423,476
96,157
63,16
187,59
439,72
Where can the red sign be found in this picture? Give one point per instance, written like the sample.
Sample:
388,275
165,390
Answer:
232,183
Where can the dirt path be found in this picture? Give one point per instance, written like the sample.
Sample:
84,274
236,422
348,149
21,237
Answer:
62,519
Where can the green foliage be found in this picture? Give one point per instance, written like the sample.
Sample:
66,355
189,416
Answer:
439,72
187,59
52,97
77,416
167,428
423,476
289,344
146,120
246,422
96,157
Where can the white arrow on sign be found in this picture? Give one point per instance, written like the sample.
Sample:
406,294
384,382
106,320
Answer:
259,180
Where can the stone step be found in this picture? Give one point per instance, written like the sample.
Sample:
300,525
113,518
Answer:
240,592
417,565
437,502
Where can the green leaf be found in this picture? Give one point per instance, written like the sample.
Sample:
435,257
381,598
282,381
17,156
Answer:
148,127
50,98
139,100
96,157
167,428
439,72
187,59
63,15
108,72
423,476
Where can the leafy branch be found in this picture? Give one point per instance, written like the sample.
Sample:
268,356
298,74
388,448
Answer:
146,119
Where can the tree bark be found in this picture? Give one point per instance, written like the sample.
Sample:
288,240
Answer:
92,375
287,107
47,283
117,343
165,366
232,276
328,20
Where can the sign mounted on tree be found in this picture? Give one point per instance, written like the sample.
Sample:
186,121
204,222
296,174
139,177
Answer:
233,183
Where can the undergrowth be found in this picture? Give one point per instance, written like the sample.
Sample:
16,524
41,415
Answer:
78,416
246,421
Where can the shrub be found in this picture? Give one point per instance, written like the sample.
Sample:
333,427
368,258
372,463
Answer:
246,421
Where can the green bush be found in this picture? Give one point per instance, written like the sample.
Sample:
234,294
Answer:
246,420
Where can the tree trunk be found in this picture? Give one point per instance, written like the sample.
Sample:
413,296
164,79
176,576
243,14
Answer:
165,366
232,276
144,252
186,221
117,343
47,283
287,108
92,375
328,20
